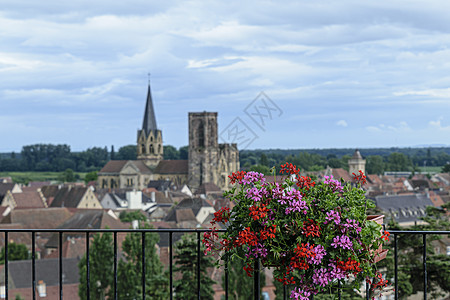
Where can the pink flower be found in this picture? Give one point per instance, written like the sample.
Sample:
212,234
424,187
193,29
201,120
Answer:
342,241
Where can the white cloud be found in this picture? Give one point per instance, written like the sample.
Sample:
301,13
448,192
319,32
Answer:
342,123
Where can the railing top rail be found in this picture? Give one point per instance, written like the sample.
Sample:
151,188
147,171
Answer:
419,231
110,230
185,230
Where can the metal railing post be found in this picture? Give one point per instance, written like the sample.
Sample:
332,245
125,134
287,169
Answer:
33,262
256,281
198,264
6,264
425,285
396,266
115,265
143,265
170,266
60,266
88,277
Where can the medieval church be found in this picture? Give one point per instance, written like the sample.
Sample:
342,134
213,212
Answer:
208,161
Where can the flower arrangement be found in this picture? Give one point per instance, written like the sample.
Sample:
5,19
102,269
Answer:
314,234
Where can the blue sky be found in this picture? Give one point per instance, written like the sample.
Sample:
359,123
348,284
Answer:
334,73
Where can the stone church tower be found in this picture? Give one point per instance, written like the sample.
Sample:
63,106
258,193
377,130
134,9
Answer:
356,163
149,138
209,161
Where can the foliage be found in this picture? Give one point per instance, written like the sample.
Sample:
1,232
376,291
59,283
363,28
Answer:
91,176
129,216
446,168
15,252
410,251
313,234
101,262
68,176
128,152
240,286
130,269
170,152
260,169
186,265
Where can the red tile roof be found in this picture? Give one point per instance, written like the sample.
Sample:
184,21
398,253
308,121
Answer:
341,173
28,200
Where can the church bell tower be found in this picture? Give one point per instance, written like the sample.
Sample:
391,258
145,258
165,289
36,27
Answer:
149,138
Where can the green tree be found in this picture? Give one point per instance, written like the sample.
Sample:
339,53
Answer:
112,155
125,216
91,176
240,285
101,260
263,160
184,152
128,152
399,162
375,165
15,252
260,169
170,152
186,265
446,168
67,176
410,271
130,269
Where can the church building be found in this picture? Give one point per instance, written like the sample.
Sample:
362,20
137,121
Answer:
209,161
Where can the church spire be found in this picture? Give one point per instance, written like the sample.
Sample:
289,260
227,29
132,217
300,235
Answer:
149,123
149,142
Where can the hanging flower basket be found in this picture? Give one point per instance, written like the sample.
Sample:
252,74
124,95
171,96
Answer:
314,234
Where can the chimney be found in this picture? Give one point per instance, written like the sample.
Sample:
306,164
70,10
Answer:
2,291
42,289
153,196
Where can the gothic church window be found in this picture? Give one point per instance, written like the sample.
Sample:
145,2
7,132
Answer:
201,135
152,150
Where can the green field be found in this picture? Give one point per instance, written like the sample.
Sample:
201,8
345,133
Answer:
25,177
431,169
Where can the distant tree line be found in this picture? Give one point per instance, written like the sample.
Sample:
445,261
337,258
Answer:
59,158
378,161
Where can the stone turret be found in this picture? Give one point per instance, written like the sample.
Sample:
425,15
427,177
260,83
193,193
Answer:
356,163
149,138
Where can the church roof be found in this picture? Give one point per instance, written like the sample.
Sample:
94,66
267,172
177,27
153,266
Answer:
172,167
115,166
149,123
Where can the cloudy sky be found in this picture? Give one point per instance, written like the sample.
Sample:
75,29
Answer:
345,73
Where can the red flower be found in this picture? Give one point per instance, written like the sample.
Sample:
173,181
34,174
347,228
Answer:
302,252
257,212
349,266
385,236
247,237
361,178
236,176
289,169
221,216
311,228
268,233
305,182
249,270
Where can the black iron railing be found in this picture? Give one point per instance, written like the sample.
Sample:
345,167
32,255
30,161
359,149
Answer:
170,233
